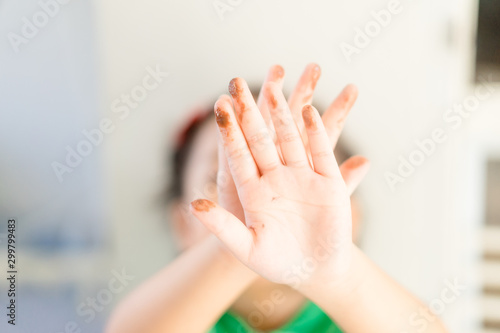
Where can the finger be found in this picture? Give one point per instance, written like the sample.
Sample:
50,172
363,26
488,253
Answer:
253,127
227,194
239,158
275,74
225,226
290,141
334,117
321,151
303,93
353,170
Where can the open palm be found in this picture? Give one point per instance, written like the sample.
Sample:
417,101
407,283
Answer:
297,215
353,169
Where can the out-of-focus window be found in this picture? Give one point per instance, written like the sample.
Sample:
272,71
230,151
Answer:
488,39
491,250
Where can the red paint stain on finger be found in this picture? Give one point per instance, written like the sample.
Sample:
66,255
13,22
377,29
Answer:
202,205
236,90
308,115
235,87
273,101
222,118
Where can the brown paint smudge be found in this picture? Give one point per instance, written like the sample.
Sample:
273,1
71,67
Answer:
234,87
202,205
222,118
308,115
240,109
274,102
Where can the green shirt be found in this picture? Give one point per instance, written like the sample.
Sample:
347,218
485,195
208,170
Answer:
309,319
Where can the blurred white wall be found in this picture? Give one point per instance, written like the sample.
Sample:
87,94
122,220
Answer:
409,75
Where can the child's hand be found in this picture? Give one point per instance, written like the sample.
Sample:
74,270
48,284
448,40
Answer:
353,170
297,216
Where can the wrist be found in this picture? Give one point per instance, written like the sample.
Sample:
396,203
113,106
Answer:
229,262
339,287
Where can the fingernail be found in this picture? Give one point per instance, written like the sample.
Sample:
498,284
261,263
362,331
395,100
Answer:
316,72
273,101
278,72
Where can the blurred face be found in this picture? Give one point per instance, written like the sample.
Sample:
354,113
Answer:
200,182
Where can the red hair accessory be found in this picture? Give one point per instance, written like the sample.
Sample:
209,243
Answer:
198,117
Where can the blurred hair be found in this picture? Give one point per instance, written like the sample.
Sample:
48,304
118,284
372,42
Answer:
181,152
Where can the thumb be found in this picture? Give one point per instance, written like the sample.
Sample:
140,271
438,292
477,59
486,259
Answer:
232,232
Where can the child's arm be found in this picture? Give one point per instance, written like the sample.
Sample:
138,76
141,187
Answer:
297,227
195,289
187,296
368,300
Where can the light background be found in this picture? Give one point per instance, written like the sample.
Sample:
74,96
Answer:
411,73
